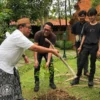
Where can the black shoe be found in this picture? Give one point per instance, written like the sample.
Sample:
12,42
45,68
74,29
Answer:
52,85
75,81
90,83
36,88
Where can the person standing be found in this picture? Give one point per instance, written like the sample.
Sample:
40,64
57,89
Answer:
39,39
89,46
77,30
11,51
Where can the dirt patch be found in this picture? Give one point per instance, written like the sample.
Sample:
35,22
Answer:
56,95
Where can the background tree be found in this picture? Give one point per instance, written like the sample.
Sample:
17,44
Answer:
5,16
40,9
95,3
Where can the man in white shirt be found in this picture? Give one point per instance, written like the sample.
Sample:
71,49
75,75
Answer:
11,51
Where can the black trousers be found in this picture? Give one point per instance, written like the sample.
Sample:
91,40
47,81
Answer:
85,66
86,51
37,70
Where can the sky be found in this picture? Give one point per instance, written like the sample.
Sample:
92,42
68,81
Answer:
72,3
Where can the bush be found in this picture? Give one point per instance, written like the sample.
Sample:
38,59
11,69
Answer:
60,44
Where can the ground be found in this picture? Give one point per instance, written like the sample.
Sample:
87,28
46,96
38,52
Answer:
64,91
56,95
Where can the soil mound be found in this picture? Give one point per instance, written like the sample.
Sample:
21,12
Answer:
56,95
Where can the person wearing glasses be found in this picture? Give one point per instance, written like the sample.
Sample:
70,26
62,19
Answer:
11,51
39,39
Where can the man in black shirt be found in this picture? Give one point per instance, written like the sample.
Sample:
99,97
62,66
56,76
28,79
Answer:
89,46
77,29
39,39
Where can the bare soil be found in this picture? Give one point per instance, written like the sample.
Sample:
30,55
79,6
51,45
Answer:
56,95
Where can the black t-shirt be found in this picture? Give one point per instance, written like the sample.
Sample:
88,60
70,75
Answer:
40,39
92,33
77,28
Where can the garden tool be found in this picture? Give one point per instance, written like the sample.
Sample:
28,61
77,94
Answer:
72,71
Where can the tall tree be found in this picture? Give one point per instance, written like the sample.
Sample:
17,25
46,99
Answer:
40,9
18,7
5,16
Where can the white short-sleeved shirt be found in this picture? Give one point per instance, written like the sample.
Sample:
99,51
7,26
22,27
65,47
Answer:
12,49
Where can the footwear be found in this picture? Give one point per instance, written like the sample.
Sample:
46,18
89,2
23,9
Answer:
86,74
36,88
52,85
75,81
90,83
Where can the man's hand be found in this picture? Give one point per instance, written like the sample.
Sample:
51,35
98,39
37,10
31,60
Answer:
55,52
36,63
47,65
79,50
98,53
26,59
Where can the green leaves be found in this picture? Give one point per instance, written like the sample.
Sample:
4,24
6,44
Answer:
95,3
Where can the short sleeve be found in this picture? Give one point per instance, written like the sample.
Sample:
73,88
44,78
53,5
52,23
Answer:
21,41
73,29
84,29
37,36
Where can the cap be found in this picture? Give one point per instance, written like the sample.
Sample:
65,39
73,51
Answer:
23,21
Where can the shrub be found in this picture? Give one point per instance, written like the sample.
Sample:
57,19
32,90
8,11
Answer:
68,44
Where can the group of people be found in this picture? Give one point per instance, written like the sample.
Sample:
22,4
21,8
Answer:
87,43
11,50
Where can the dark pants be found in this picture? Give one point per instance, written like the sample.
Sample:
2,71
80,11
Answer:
51,68
85,65
10,88
86,51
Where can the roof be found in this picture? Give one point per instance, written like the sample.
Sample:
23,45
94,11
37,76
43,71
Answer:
53,21
56,21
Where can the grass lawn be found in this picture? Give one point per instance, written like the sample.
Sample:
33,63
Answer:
62,73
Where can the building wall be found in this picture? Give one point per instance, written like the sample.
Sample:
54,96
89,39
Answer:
80,5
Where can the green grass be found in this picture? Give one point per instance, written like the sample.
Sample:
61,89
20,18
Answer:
83,91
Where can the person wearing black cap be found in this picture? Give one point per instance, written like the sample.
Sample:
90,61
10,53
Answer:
77,29
89,46
39,39
11,51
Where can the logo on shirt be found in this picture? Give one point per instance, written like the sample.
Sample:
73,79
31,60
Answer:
92,30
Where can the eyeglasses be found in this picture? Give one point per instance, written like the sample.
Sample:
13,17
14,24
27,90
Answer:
29,27
47,30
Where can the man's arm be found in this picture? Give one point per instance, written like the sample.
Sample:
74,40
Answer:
25,58
41,49
35,58
98,52
49,58
81,44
